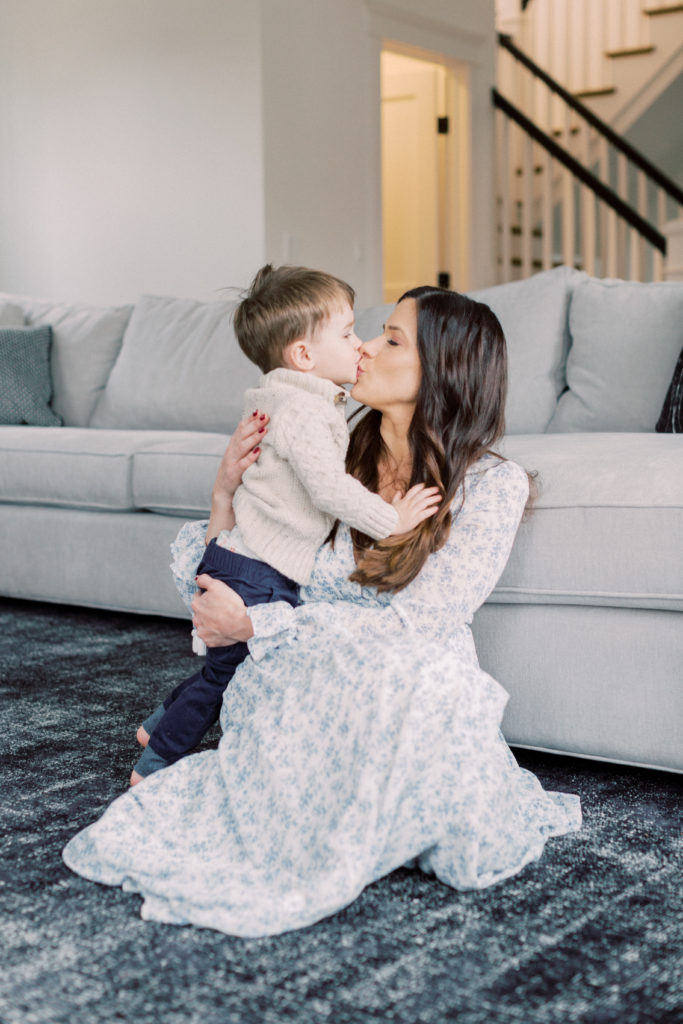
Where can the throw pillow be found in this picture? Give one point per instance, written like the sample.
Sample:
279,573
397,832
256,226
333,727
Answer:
85,343
671,417
180,368
626,336
533,314
25,384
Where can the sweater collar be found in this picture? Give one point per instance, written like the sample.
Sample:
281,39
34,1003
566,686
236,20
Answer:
305,382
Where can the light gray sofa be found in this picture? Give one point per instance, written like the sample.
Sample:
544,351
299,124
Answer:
585,629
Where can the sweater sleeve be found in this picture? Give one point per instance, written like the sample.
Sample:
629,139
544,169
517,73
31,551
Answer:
452,585
312,452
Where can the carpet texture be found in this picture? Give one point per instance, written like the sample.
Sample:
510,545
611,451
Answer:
591,933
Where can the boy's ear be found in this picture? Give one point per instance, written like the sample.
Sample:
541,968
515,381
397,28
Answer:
298,356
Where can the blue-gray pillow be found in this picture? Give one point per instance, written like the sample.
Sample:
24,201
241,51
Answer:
671,417
25,382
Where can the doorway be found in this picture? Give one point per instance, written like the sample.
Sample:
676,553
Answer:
425,173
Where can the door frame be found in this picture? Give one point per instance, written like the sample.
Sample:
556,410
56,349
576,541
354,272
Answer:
391,26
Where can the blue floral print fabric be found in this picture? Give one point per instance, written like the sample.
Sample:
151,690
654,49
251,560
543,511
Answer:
361,735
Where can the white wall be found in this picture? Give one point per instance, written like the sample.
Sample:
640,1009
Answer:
170,146
130,147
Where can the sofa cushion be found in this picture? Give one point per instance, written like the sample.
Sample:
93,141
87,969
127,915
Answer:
533,315
180,368
607,526
70,466
25,384
625,339
85,343
175,476
11,315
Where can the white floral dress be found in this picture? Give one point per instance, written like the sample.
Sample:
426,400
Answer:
361,735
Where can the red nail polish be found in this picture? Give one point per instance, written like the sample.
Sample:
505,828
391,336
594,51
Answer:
261,430
262,416
256,451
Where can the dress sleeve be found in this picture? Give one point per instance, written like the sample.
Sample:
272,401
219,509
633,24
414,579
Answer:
452,585
188,550
316,459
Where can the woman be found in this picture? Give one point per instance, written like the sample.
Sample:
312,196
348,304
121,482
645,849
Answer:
362,734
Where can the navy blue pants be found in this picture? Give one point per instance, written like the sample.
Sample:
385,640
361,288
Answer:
194,705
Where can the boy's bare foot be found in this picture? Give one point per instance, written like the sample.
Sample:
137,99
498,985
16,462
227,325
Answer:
135,778
142,737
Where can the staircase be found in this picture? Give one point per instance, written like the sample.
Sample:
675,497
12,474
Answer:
570,188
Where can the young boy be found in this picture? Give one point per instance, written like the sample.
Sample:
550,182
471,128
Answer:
297,325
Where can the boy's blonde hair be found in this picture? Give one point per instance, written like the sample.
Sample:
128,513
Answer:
283,304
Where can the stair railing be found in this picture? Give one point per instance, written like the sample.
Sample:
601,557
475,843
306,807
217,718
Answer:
579,194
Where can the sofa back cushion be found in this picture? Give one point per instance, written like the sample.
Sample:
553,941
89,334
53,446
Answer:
85,343
625,339
180,368
533,315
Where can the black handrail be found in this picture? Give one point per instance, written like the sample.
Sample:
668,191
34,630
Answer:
602,191
654,173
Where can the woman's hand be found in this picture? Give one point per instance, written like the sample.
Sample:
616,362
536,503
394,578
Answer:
242,451
219,614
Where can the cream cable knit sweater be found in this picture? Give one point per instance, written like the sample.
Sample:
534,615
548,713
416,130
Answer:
290,497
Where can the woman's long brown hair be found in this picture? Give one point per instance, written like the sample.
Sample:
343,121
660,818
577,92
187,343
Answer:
459,416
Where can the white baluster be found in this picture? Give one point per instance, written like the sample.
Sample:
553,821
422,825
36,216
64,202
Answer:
504,172
588,228
641,206
634,255
658,258
634,24
622,192
614,36
612,261
527,205
547,211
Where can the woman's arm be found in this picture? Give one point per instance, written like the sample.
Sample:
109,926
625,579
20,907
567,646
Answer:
242,451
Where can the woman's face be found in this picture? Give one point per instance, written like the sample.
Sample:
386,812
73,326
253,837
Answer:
389,373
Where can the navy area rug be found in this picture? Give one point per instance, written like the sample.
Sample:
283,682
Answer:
590,933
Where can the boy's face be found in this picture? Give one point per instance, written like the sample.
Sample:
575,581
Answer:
335,349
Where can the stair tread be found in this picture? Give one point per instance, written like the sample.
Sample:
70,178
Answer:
634,51
671,9
606,90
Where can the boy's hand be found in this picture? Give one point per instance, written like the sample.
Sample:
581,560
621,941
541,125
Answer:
418,504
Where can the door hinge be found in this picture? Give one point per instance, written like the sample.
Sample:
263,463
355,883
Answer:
442,125
444,279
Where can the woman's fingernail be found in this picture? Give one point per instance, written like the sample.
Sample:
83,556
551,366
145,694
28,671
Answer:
255,412
256,451
261,430
262,416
